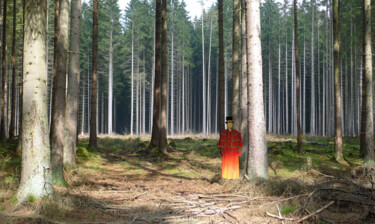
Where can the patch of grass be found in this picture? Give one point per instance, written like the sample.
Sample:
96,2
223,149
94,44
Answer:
31,199
288,209
83,153
9,180
94,217
14,200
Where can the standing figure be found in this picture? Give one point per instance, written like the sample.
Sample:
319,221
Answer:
230,143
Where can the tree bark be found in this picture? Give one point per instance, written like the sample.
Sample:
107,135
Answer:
243,126
19,145
110,82
72,99
204,95
298,90
4,72
257,166
221,67
59,97
155,135
12,128
338,117
36,178
163,117
312,117
367,133
236,65
93,123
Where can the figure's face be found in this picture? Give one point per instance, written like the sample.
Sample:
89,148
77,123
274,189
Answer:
230,125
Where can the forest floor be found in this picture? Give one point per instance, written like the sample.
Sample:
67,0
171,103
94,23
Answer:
121,182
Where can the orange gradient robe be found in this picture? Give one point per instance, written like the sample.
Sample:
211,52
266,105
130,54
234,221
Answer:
230,143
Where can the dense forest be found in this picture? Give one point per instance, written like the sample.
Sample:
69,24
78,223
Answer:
126,66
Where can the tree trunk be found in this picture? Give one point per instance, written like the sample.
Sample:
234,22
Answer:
236,65
163,117
257,166
312,107
286,87
155,135
208,128
12,128
298,91
172,73
183,92
19,145
204,114
367,133
110,82
338,117
73,85
4,72
83,109
59,91
36,178
221,66
93,133
132,86
243,126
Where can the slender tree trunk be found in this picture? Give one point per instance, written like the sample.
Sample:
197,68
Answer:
221,66
155,135
269,85
236,65
144,95
312,107
279,121
12,128
287,101
208,128
172,73
298,91
204,81
243,126
83,109
59,91
303,100
152,85
19,145
183,92
110,83
163,118
4,74
36,178
338,118
258,158
102,114
132,86
367,132
93,117
72,98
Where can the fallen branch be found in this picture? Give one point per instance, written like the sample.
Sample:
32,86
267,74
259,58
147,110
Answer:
222,215
314,213
278,217
137,196
279,213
